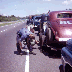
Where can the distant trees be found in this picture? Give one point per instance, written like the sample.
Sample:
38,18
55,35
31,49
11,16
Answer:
9,18
69,9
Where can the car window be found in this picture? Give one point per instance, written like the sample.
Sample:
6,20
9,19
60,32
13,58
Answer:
64,15
37,18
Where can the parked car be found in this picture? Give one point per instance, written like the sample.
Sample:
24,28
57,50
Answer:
59,28
66,57
36,22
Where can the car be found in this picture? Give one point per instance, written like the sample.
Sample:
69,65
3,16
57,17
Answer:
36,22
58,29
29,21
66,57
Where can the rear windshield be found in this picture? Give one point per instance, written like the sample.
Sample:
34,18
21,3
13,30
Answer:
38,18
64,15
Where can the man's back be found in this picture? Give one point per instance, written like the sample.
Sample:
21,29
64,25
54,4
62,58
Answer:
24,33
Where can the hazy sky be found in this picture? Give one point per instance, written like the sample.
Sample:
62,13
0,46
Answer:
30,7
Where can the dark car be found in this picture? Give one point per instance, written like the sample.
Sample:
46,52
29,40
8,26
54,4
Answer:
66,57
36,22
59,28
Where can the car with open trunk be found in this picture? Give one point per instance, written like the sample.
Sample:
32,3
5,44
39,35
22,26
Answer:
58,29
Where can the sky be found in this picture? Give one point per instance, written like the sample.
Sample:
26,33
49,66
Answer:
24,8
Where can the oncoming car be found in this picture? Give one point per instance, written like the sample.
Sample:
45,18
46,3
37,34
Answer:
59,28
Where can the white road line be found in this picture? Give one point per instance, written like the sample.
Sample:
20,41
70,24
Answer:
27,62
1,31
2,26
6,25
14,26
11,24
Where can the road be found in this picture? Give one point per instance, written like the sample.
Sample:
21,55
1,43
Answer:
10,61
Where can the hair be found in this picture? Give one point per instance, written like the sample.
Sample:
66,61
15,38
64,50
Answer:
32,30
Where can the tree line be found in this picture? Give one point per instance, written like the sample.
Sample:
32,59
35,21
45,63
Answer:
9,18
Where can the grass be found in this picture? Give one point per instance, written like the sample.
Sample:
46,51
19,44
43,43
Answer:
5,24
9,23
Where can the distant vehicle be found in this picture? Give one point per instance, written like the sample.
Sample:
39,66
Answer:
29,21
36,22
58,29
66,57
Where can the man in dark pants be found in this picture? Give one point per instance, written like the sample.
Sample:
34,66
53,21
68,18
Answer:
22,34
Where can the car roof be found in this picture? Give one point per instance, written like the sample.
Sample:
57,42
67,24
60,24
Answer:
62,11
53,14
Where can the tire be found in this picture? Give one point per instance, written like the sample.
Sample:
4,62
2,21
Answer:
49,36
40,39
61,68
43,45
68,69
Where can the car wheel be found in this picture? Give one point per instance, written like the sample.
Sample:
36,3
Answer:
40,39
49,36
68,69
61,68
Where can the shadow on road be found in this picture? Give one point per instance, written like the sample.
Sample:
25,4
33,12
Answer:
22,53
27,48
52,53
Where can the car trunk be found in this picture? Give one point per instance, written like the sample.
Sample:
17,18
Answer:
63,27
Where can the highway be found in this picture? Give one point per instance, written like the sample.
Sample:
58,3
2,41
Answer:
10,61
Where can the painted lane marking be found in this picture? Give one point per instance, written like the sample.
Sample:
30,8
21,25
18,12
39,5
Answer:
14,26
4,30
27,62
1,31
11,24
2,26
6,25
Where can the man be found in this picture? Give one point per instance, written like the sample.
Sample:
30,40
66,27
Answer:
22,34
44,27
30,27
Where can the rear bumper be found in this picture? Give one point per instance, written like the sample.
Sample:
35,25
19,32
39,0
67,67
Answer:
64,39
61,39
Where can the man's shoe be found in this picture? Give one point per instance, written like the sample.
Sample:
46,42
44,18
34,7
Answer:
41,50
32,53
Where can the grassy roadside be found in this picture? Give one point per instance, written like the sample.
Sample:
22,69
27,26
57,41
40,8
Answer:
3,24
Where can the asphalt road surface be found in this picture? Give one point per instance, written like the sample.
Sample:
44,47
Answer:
10,61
